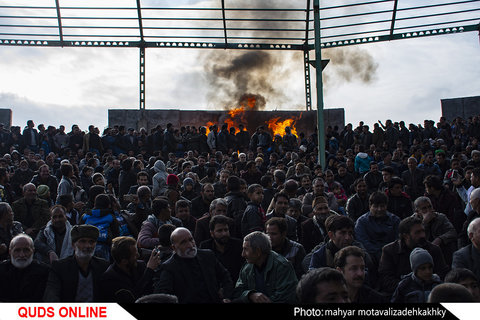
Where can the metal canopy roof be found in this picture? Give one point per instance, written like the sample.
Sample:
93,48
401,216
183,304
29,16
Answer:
232,24
239,24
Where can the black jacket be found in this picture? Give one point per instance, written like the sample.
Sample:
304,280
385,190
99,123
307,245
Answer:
181,277
23,285
137,284
63,279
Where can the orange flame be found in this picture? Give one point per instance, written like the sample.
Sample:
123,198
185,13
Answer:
278,127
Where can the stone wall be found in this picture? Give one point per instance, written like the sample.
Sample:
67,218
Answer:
150,118
6,117
460,107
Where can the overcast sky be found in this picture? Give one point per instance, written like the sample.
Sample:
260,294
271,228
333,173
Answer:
406,80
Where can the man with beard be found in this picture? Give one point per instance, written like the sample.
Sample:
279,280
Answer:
350,261
395,260
377,227
202,229
313,229
438,229
76,278
281,203
318,189
357,204
201,204
340,235
128,278
193,275
53,242
227,249
469,256
22,278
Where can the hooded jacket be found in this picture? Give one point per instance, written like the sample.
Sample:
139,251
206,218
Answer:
159,179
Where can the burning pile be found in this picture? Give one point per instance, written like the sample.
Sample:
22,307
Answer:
241,115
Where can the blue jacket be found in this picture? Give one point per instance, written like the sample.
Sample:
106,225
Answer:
102,219
375,233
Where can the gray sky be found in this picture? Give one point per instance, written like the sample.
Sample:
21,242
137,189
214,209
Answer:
407,80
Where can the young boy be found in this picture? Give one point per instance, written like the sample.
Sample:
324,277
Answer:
417,285
254,217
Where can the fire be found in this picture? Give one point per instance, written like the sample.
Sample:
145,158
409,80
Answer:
278,127
209,123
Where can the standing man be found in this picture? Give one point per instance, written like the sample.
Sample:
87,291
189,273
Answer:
267,276
76,278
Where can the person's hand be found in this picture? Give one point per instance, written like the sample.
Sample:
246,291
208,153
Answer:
79,205
53,256
3,248
154,261
427,217
437,241
258,297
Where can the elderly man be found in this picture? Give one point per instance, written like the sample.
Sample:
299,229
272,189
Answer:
193,275
31,211
22,278
469,257
474,213
267,277
53,242
8,229
438,229
76,278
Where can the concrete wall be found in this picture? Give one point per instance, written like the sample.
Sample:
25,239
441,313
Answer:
6,117
460,107
306,120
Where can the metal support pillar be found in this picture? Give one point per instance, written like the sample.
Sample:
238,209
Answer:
306,65
142,78
319,81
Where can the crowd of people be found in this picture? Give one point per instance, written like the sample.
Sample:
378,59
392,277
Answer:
179,215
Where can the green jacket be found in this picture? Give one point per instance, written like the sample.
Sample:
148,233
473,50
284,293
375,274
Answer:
40,213
280,280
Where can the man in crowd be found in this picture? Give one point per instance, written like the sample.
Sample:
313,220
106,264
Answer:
395,260
193,275
350,261
31,211
22,278
201,204
77,278
276,229
323,285
227,249
377,227
267,276
53,242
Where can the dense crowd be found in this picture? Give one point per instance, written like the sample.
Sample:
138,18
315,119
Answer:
197,215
